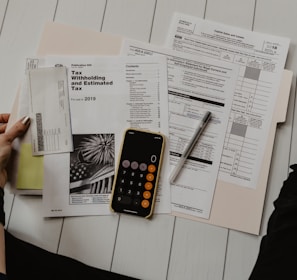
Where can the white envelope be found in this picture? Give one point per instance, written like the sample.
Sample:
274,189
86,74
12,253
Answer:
49,111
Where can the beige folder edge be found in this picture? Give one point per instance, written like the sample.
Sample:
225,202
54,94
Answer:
234,206
241,208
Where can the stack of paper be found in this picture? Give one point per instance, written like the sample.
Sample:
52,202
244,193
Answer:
233,73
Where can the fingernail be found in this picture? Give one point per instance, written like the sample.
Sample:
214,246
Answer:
26,120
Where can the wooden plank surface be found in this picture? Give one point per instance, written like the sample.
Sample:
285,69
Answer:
95,245
166,247
232,12
19,39
242,248
143,247
198,251
27,223
129,18
164,11
239,14
86,14
90,239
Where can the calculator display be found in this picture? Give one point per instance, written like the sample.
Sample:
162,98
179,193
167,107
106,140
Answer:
135,184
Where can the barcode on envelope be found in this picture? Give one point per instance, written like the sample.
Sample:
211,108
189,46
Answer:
40,139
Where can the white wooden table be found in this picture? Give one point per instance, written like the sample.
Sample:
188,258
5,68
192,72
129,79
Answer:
168,248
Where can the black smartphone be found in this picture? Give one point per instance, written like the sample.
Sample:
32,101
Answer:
136,180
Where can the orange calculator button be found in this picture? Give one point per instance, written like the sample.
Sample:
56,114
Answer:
148,186
152,168
147,194
145,203
150,177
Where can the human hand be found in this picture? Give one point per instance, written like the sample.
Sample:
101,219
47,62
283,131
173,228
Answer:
6,139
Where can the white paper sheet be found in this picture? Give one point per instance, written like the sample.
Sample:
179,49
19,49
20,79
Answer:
107,95
261,58
195,85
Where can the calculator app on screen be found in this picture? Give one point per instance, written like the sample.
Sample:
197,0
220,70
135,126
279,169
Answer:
136,180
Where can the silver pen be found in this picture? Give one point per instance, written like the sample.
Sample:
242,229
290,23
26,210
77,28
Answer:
190,146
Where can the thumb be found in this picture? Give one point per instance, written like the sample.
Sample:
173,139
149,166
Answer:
18,129
3,178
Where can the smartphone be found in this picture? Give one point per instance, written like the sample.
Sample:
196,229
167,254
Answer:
137,175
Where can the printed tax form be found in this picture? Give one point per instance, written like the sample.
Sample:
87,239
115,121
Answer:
107,95
261,58
195,85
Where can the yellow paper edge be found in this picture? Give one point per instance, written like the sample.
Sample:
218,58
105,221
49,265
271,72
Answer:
30,169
